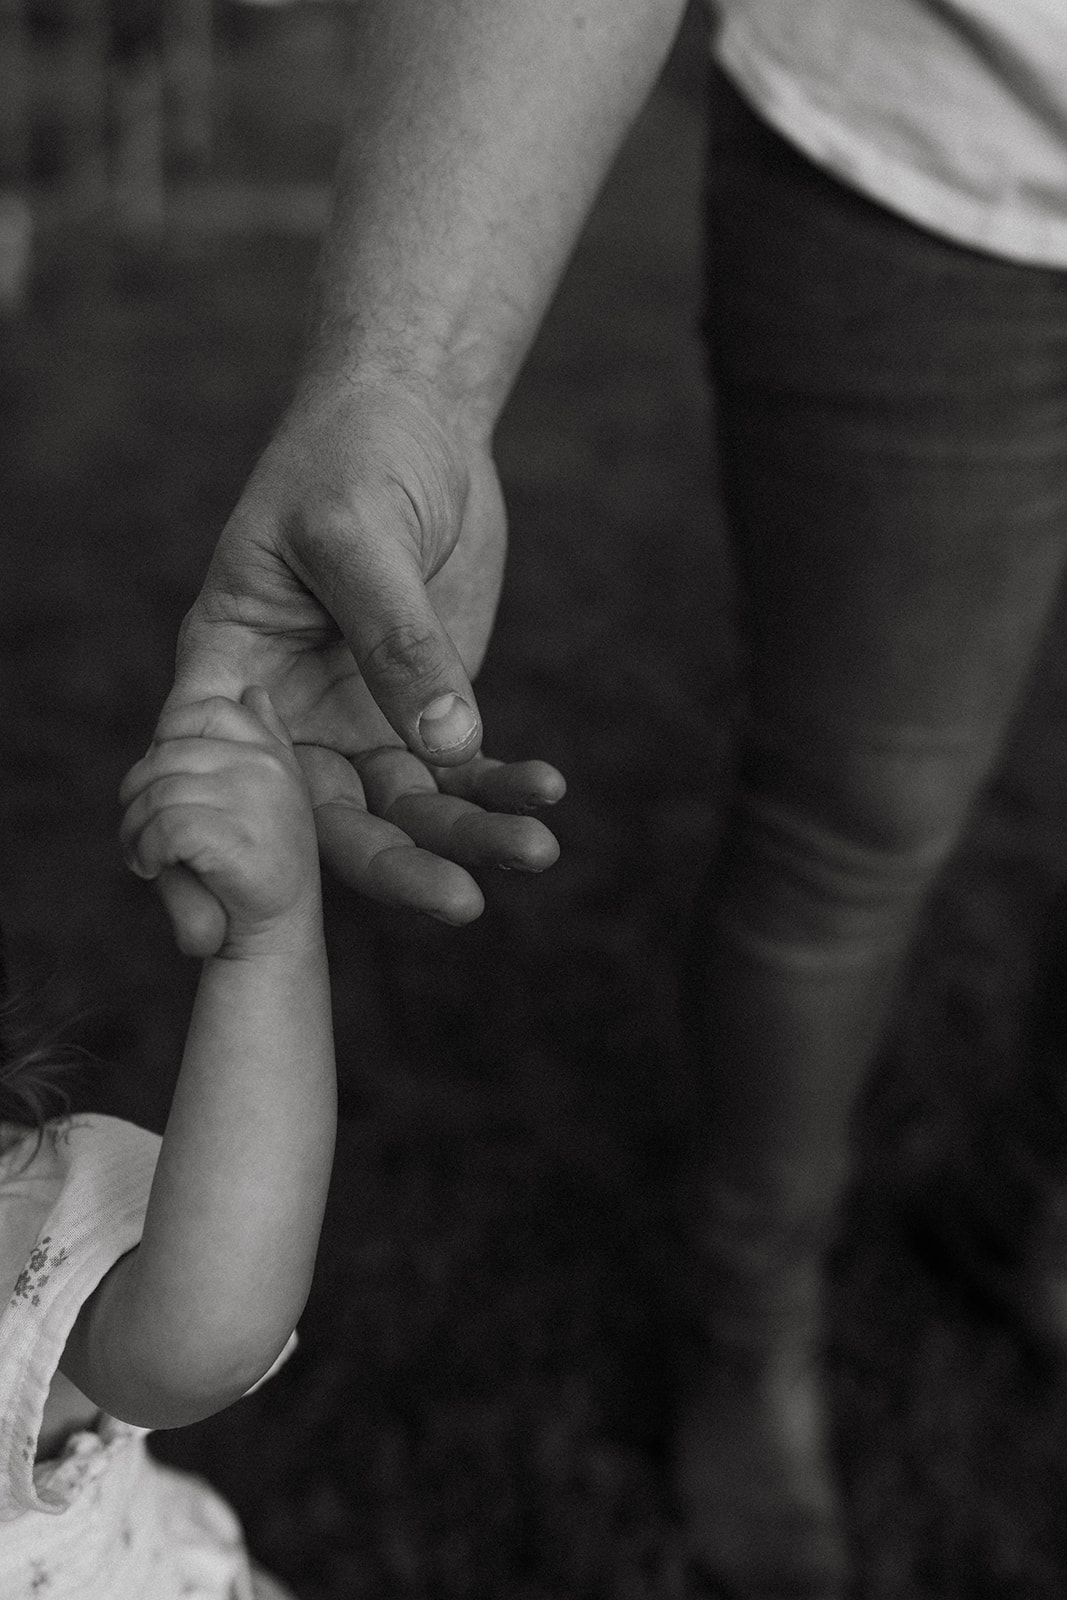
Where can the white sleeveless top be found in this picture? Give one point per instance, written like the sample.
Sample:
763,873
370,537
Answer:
952,113
102,1520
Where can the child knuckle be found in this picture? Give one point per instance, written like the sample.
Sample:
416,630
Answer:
271,766
221,714
166,792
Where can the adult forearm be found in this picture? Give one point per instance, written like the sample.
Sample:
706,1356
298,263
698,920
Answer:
480,133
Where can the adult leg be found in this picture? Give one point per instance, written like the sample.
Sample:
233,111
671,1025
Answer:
893,439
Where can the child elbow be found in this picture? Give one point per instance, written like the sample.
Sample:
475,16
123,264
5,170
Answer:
180,1397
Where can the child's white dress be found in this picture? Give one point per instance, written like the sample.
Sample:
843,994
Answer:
102,1520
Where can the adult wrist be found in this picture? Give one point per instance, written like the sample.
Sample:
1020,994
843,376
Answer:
463,386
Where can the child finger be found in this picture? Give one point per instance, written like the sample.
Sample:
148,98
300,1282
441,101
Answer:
197,918
192,756
216,718
188,835
261,705
165,796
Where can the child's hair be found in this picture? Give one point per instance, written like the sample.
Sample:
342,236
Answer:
33,1063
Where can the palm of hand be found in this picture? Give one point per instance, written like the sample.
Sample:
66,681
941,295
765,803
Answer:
389,825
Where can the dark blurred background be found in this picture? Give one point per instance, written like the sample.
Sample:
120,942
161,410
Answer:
479,1401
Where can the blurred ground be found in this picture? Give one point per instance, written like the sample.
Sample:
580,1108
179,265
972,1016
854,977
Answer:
479,1399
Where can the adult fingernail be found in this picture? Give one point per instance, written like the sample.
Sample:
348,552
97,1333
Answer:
447,723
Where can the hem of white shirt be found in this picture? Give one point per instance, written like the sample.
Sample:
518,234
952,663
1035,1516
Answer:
918,197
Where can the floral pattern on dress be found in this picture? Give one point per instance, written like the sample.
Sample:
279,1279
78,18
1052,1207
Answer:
83,1461
103,1518
40,1579
34,1276
32,1279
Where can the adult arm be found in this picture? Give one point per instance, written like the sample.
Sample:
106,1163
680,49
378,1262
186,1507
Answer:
358,576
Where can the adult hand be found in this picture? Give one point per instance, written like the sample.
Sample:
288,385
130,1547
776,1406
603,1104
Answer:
357,581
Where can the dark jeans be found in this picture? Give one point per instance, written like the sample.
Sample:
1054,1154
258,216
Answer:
892,426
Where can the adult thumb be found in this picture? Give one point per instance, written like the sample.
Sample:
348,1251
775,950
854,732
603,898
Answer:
408,661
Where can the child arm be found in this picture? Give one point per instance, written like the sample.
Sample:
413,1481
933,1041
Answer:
188,1321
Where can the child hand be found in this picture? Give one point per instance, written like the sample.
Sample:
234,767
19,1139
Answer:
221,795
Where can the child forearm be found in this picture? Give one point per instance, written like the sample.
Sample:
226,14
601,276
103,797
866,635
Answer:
188,1321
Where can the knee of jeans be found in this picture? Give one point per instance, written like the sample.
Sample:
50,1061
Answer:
843,853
